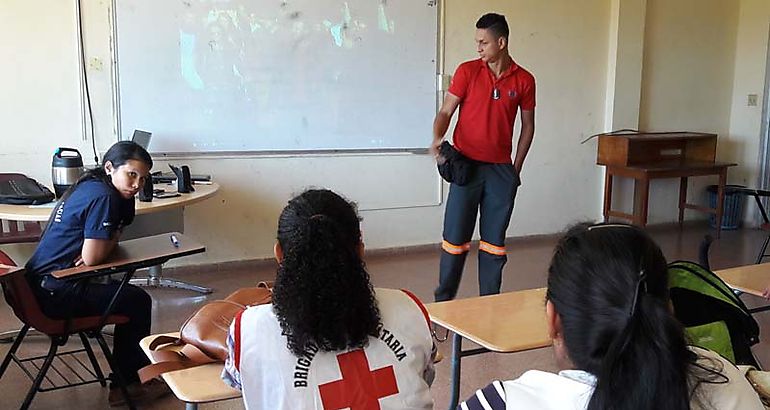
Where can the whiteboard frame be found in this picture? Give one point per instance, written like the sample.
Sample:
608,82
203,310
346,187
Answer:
438,5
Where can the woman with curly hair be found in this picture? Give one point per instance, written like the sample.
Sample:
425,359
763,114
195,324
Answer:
614,336
329,340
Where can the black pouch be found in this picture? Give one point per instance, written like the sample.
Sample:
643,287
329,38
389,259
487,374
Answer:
455,168
19,189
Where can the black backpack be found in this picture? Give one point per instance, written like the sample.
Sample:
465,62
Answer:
19,189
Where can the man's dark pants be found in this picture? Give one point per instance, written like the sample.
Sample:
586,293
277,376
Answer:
491,191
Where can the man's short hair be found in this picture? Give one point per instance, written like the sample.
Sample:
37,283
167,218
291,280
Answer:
495,23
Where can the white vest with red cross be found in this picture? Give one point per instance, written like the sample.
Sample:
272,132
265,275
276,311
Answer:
394,371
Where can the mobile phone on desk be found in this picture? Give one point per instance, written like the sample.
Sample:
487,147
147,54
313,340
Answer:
164,195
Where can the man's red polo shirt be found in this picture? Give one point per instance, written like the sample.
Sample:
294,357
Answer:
484,130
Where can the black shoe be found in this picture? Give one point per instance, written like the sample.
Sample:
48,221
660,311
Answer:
140,393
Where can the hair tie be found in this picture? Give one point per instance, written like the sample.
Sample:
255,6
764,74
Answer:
641,285
317,216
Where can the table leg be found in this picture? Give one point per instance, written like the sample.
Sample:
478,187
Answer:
607,194
155,279
191,406
457,344
682,199
721,199
641,198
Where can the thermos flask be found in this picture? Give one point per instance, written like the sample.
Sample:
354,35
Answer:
65,169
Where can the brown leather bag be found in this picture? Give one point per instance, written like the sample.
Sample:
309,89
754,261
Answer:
203,336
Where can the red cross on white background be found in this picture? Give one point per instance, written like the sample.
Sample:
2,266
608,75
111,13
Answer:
360,388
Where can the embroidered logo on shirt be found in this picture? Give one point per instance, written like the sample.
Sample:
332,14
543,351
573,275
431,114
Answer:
512,94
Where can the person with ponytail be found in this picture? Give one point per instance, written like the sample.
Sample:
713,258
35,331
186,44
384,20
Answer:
615,338
329,340
84,229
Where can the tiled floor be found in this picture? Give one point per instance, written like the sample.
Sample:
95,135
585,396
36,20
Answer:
526,268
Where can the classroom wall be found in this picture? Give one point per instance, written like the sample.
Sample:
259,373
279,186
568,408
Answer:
401,196
565,44
750,69
687,81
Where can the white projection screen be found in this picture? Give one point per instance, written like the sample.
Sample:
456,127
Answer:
271,75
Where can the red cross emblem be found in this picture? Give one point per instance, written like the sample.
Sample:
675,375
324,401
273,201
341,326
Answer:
360,388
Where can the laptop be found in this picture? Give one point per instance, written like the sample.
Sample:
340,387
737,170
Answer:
142,138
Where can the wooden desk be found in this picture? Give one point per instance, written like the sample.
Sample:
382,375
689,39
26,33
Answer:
642,174
751,279
201,384
646,156
506,323
42,213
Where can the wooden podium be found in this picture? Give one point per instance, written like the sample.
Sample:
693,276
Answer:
646,156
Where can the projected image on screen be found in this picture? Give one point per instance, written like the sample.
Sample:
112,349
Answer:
251,75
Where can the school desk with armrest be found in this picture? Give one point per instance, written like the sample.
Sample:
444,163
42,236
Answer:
196,385
505,323
751,279
127,258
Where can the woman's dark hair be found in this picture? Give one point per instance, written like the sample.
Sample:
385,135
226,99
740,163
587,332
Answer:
495,23
322,295
609,285
118,154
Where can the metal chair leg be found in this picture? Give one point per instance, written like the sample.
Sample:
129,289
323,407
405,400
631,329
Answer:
92,358
115,371
14,348
41,375
763,250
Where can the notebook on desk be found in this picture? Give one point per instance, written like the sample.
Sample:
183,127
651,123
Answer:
137,254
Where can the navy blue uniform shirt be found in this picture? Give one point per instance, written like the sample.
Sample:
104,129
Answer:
94,210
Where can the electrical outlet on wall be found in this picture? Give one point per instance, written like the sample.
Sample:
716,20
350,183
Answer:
751,101
96,64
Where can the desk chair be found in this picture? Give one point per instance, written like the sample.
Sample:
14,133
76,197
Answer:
19,232
20,297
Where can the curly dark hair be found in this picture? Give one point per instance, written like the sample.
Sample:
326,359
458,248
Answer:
322,295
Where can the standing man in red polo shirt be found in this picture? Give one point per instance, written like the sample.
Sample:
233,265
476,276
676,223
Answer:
489,91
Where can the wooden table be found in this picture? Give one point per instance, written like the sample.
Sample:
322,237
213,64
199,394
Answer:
201,384
42,213
682,169
155,277
506,323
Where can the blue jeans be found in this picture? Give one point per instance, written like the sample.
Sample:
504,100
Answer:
91,299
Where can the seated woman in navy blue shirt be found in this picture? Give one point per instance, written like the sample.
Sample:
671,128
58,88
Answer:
83,230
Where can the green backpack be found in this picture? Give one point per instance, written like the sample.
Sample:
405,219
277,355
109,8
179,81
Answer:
713,316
